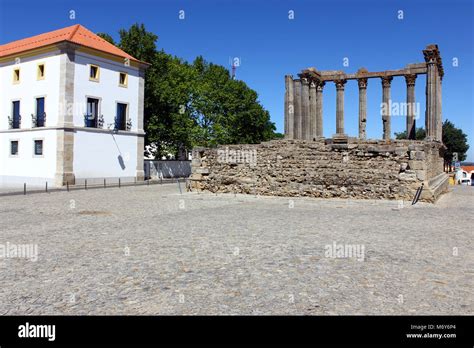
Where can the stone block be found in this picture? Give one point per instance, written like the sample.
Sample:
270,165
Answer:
202,171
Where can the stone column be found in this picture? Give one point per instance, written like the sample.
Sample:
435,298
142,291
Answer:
289,107
340,107
433,91
297,114
362,107
305,118
439,128
386,103
411,123
312,111
319,108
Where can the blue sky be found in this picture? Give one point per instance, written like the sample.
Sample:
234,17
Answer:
367,32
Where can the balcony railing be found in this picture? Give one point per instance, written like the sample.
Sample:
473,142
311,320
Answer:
120,126
91,121
14,122
38,120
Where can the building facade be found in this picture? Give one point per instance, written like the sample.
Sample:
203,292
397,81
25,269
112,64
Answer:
71,108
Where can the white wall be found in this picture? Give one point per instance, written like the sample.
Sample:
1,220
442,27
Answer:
26,167
29,88
107,90
96,155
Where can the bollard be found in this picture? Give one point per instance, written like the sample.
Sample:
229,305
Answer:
46,187
105,184
85,184
24,188
67,185
179,186
120,185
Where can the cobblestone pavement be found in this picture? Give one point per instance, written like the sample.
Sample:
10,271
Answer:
150,250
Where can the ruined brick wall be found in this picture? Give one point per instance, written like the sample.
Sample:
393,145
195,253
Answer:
358,169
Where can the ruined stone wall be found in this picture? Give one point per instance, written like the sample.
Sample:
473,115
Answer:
358,169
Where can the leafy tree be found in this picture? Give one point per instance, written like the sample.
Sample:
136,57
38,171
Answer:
453,138
196,104
107,37
138,42
420,134
455,141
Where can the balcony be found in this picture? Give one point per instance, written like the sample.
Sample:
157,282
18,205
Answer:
38,120
91,121
14,122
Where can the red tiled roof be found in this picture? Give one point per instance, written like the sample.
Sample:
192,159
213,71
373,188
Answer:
76,34
467,168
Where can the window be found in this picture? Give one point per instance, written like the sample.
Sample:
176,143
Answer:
123,79
16,119
16,75
38,148
14,148
92,112
40,73
40,114
94,73
121,118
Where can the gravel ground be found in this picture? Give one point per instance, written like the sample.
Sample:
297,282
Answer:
151,250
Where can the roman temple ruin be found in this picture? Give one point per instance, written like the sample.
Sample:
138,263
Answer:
305,163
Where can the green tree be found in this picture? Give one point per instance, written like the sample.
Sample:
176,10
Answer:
196,104
420,134
453,138
455,141
107,38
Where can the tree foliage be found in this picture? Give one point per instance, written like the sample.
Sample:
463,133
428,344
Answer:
107,38
455,141
193,104
453,138
420,134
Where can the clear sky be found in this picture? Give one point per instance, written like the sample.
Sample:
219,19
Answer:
369,33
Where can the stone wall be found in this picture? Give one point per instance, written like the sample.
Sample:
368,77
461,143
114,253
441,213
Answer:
357,169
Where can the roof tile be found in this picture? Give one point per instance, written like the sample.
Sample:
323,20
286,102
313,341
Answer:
76,34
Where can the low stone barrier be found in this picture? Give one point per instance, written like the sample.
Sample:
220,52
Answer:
366,169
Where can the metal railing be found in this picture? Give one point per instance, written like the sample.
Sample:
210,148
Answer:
14,122
38,120
86,185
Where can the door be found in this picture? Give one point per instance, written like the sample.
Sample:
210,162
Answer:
40,112
92,112
121,120
16,114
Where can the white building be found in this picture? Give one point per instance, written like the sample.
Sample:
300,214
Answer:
71,108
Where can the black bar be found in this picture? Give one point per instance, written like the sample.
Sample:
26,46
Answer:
85,184
46,187
67,185
261,330
120,183
24,188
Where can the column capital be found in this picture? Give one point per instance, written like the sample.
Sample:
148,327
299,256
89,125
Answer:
362,82
410,79
386,81
320,85
340,84
304,81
